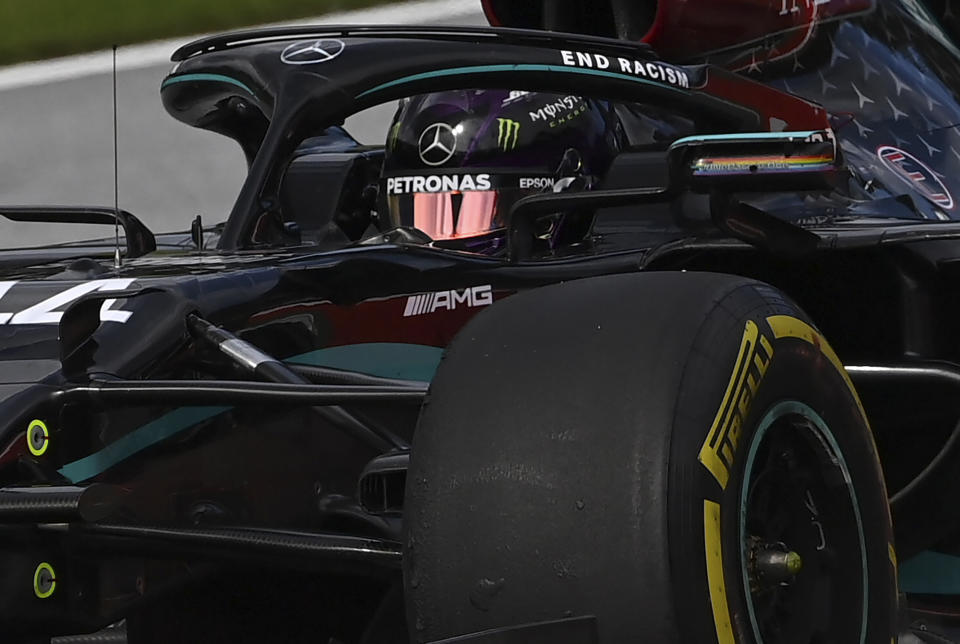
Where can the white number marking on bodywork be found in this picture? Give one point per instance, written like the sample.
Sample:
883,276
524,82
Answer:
45,312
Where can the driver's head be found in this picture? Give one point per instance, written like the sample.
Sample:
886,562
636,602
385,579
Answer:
457,161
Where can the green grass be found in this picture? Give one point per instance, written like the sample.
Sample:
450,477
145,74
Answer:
35,29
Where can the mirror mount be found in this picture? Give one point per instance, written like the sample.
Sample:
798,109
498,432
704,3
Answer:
720,166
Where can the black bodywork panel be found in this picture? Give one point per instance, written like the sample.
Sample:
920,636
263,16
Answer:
279,440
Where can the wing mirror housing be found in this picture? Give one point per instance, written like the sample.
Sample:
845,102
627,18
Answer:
722,166
755,162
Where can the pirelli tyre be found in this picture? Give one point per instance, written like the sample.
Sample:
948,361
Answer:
681,456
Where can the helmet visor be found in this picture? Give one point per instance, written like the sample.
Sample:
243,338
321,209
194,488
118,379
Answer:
455,214
448,215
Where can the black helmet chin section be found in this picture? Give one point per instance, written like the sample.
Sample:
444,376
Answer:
623,19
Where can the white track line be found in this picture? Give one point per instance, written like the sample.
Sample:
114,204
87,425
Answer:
158,53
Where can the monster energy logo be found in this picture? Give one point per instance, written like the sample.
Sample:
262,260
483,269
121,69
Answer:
394,135
508,132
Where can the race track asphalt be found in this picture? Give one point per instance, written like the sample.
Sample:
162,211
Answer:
56,147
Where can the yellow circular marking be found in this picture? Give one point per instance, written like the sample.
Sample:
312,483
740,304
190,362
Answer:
794,563
44,581
43,438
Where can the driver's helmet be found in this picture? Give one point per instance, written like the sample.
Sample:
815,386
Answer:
457,161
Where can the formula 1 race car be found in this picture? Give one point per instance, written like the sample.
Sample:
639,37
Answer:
641,333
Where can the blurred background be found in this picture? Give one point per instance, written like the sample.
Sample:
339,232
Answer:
56,104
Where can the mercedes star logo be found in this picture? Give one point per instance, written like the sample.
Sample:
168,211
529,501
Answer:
437,144
308,52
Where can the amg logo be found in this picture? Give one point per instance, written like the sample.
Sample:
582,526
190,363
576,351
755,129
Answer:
448,300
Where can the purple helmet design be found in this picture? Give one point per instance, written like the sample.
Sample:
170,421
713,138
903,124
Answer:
457,161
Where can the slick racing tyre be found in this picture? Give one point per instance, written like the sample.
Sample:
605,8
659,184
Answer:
681,456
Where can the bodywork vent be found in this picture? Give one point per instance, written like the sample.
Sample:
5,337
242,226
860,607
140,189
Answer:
381,486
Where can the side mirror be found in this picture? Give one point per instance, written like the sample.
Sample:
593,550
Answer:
755,161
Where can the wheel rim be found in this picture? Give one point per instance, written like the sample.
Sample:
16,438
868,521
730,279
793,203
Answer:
802,548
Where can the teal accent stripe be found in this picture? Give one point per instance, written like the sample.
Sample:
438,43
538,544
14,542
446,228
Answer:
931,573
218,78
489,69
138,440
752,136
386,359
